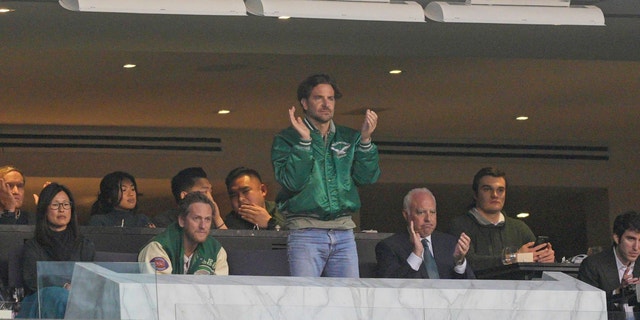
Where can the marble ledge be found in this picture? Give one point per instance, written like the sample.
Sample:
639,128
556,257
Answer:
169,297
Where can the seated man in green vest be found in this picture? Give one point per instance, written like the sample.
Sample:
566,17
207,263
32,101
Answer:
186,247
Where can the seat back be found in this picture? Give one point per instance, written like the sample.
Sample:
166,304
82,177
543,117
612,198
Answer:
14,267
258,262
107,256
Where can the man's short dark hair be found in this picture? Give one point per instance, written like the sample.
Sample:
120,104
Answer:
307,85
488,171
239,172
191,198
629,220
185,179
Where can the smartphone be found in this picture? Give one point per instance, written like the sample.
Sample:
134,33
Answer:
540,240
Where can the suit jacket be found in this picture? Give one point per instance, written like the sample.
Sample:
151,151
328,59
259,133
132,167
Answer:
600,270
392,254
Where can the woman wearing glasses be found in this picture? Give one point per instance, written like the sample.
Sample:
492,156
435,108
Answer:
56,239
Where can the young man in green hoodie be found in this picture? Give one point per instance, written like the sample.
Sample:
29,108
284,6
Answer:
490,229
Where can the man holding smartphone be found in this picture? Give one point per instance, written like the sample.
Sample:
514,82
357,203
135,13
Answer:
491,230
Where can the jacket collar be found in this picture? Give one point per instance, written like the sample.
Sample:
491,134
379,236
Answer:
332,127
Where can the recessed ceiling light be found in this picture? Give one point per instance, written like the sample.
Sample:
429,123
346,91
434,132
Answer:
395,71
522,118
522,215
5,10
284,17
224,111
129,66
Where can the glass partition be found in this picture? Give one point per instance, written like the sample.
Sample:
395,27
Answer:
94,290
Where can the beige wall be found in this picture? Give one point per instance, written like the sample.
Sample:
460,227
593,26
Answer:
83,169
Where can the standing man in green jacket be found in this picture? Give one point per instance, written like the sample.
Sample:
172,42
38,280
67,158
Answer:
319,166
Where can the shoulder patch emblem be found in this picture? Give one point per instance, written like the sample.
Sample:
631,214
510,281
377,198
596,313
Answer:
160,263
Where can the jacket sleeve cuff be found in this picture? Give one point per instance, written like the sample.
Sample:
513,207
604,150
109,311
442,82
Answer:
304,144
365,146
414,261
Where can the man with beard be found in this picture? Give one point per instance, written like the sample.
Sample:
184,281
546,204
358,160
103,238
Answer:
320,165
615,270
185,246
420,251
12,196
490,229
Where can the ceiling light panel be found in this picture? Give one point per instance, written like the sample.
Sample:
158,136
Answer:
514,14
405,11
194,7
543,3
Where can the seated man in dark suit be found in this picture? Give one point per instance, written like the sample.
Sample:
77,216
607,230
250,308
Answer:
615,270
411,253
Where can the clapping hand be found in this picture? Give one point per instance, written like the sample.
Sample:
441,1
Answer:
462,247
414,237
369,125
299,125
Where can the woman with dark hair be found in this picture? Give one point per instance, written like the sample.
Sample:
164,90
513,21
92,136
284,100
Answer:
117,203
56,239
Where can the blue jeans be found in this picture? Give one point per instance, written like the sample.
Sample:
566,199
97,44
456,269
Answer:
53,304
323,252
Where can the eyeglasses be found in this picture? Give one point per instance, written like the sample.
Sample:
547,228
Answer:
64,205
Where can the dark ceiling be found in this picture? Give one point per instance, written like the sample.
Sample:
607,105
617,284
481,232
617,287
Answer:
459,81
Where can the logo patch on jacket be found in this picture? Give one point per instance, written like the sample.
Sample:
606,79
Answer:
340,148
206,266
160,263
